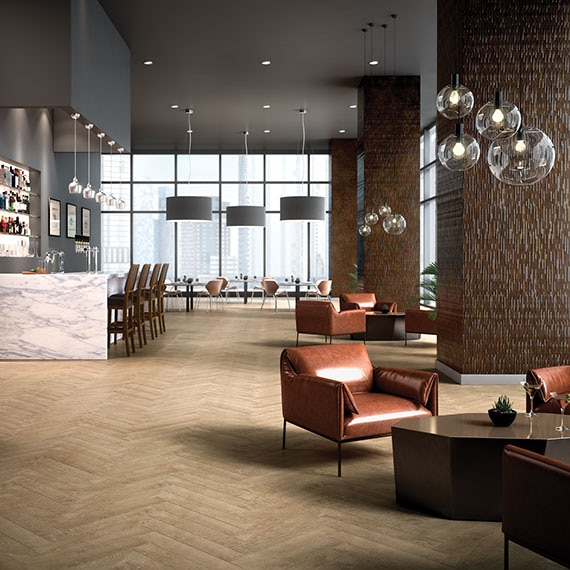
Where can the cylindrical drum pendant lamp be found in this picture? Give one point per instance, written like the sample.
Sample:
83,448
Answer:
189,208
303,208
245,216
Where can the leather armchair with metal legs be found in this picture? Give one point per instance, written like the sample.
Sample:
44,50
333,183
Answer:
334,391
321,317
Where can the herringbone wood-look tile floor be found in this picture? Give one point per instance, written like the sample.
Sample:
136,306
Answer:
172,459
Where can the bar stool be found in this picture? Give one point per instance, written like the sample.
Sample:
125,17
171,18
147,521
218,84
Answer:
139,303
161,287
120,312
151,305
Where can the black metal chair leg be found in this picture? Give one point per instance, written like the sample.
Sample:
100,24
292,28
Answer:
339,458
284,433
506,554
297,343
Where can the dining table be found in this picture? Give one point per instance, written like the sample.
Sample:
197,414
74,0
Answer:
189,291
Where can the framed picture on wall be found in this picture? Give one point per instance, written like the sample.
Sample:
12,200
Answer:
54,217
71,220
85,222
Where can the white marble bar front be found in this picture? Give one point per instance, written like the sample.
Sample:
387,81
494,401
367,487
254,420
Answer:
58,316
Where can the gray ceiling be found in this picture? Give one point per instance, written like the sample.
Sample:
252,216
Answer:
207,57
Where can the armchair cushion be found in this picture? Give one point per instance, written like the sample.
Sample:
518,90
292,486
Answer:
410,384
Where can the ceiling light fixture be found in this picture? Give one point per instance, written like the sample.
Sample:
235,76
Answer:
74,187
394,16
266,62
120,202
498,119
372,61
148,62
454,101
353,106
174,106
88,191
302,208
189,208
267,106
266,131
245,215
523,159
100,197
111,200
458,152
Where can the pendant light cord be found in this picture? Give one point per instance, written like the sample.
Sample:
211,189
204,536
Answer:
394,16
364,53
303,111
89,127
385,51
189,113
245,134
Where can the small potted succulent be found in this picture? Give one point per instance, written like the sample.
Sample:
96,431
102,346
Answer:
502,413
384,309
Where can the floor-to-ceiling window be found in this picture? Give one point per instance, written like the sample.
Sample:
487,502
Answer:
428,191
141,234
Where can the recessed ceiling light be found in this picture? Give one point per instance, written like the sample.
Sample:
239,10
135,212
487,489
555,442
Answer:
373,62
174,106
266,131
342,131
266,62
148,62
267,106
353,106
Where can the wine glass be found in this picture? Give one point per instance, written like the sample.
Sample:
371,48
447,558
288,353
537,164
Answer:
563,399
531,390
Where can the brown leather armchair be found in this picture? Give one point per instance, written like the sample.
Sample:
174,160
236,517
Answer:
418,321
554,379
321,317
334,391
349,301
539,524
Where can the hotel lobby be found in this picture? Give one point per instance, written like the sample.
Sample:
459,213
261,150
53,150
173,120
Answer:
172,458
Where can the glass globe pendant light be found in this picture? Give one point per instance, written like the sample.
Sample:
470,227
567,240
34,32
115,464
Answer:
498,119
100,197
364,230
111,200
371,219
74,187
454,101
394,224
459,151
88,191
384,210
523,159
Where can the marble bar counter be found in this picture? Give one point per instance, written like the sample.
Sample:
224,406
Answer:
57,316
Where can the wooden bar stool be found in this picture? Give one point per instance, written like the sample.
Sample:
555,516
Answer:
120,312
151,297
161,287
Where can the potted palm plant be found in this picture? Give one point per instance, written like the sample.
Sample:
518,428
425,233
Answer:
428,286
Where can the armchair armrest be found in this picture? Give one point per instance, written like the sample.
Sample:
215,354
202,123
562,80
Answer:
345,322
539,524
417,385
315,403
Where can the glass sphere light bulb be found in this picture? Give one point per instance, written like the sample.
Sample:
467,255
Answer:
371,218
364,230
454,97
520,146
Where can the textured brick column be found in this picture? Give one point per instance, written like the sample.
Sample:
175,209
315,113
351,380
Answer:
388,171
343,212
504,251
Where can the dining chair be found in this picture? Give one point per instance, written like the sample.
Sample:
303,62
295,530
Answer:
259,288
322,290
140,297
213,290
272,289
227,288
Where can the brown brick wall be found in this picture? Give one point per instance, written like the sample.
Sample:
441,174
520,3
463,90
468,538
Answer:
388,140
343,212
503,251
